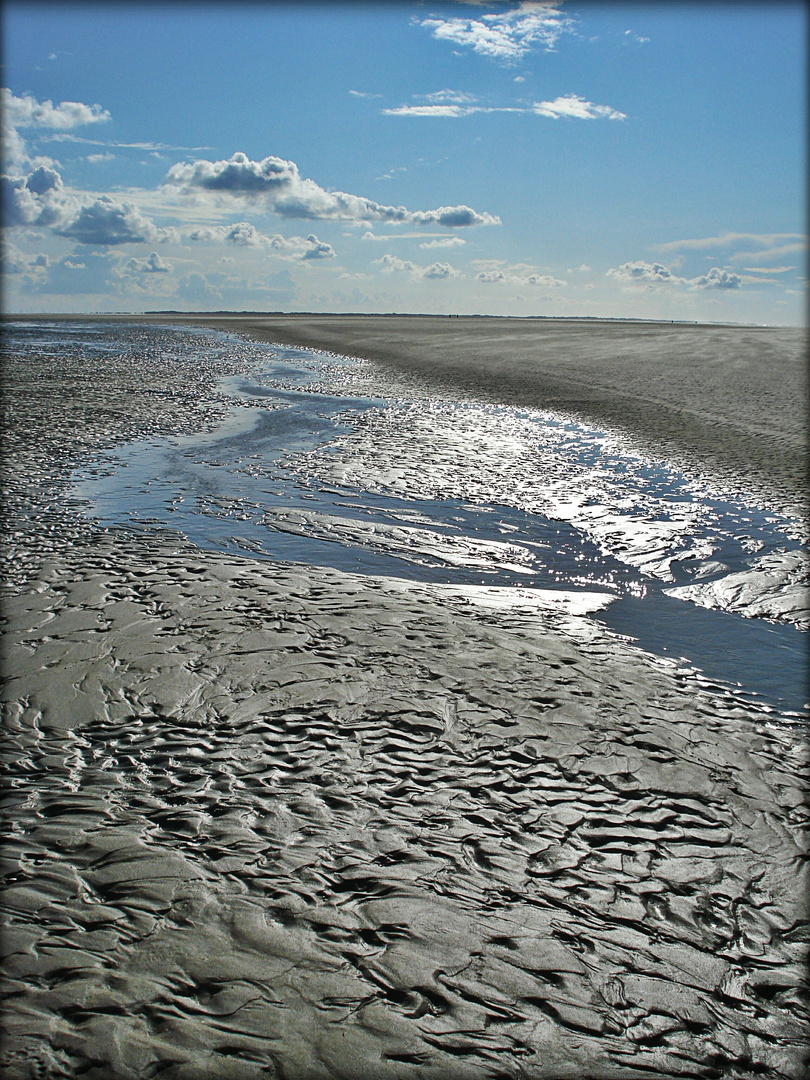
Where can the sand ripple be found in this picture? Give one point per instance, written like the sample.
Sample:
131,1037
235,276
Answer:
277,821
339,827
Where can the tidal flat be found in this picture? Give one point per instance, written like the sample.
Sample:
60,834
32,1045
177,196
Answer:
319,760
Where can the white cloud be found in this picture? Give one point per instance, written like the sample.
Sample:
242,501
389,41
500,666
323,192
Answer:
575,107
36,199
392,172
299,247
716,279
26,111
105,223
448,97
652,275
240,233
245,234
768,269
430,110
97,159
153,147
153,265
645,274
278,186
387,237
444,242
391,264
506,36
15,262
732,239
569,105
518,275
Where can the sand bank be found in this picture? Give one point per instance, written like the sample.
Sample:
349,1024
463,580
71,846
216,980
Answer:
271,820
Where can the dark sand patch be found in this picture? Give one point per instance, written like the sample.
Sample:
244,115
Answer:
267,820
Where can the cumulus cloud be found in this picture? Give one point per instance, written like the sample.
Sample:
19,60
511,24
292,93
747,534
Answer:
91,273
294,247
391,264
153,265
43,179
652,275
505,36
299,247
644,273
717,279
518,277
279,186
26,111
15,262
36,199
105,222
240,233
575,107
196,289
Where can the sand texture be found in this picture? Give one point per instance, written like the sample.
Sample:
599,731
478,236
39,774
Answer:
269,820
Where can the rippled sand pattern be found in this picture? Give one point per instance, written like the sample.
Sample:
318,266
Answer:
305,825
267,820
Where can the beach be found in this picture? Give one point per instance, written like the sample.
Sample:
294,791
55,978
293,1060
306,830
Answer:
728,400
270,819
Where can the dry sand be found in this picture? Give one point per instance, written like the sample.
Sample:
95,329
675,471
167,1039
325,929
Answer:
277,821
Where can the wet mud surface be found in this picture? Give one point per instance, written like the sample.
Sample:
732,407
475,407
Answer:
295,821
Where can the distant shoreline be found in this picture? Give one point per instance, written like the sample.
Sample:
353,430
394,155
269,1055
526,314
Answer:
723,400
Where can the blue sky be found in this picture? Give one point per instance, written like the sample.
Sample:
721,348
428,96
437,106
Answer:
641,160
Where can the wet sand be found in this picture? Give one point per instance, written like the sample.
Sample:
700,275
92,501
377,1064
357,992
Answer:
280,821
726,401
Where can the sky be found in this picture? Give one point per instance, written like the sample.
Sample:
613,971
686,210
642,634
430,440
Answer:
615,160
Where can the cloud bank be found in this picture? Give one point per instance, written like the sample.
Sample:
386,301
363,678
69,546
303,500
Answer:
278,186
245,234
651,275
390,264
513,277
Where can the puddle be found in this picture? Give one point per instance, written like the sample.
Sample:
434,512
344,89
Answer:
458,493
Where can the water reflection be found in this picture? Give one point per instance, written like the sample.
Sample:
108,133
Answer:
458,493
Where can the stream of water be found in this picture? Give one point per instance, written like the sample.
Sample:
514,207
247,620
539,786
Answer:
317,463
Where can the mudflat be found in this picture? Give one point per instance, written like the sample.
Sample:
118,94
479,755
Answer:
724,400
273,820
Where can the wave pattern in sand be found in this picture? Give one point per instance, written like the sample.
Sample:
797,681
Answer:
327,827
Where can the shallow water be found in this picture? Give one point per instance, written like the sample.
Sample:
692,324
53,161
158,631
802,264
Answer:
304,470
